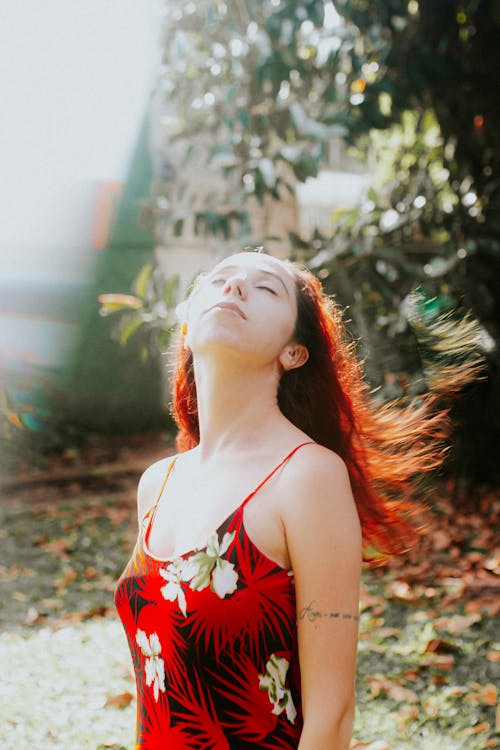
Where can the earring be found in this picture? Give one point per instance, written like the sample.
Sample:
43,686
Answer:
184,328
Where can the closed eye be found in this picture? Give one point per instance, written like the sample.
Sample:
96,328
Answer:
268,289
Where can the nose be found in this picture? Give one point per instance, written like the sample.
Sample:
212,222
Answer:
236,283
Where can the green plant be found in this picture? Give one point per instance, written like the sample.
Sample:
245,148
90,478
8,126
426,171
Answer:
149,313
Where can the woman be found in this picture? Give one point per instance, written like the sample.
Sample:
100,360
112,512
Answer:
240,602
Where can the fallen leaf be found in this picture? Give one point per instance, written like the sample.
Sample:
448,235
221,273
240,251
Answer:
485,694
439,646
440,540
69,575
32,616
99,611
122,700
369,601
388,632
441,661
489,604
411,674
393,689
400,590
477,729
405,715
431,707
457,623
19,596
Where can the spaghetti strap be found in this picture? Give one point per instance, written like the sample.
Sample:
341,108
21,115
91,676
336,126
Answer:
152,510
307,442
171,466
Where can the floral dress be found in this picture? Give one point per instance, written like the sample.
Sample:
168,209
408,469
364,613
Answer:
213,638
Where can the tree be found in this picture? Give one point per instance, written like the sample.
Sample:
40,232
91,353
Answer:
254,92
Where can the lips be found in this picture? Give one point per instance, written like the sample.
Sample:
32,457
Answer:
229,306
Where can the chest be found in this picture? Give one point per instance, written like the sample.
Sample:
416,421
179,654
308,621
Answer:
188,512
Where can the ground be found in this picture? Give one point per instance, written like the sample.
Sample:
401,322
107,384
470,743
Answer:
427,663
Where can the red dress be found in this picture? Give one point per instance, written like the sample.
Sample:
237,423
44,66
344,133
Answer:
213,638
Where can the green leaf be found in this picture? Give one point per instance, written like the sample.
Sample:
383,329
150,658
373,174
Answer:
163,338
129,327
142,279
114,302
170,290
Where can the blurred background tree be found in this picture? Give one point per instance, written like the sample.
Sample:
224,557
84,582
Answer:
255,93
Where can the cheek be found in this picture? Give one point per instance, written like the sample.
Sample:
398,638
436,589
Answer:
198,302
275,329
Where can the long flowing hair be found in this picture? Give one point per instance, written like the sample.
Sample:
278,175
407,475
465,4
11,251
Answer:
386,447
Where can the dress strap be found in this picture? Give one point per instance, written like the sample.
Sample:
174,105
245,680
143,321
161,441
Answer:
171,466
307,442
152,510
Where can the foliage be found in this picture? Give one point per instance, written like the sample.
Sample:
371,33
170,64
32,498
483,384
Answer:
149,313
253,95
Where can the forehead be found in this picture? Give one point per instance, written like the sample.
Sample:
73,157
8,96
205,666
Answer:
257,261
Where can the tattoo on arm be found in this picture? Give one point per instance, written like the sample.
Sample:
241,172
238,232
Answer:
312,614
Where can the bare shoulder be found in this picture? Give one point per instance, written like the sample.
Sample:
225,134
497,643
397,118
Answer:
319,496
318,472
150,484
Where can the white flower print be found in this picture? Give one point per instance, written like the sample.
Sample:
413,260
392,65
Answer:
211,569
201,569
224,578
274,682
155,668
175,573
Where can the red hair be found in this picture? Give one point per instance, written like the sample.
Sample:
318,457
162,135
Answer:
384,446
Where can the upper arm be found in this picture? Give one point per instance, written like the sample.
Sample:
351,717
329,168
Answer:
149,486
324,543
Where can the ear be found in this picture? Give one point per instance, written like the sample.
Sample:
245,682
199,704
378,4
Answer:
293,356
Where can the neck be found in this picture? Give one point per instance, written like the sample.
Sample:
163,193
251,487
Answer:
237,405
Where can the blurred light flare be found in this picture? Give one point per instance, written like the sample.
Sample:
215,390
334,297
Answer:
284,91
479,122
358,86
357,99
332,18
389,220
236,46
420,201
469,198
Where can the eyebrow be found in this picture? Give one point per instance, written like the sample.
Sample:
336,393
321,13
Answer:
260,270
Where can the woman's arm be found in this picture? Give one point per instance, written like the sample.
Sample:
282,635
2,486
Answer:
324,542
